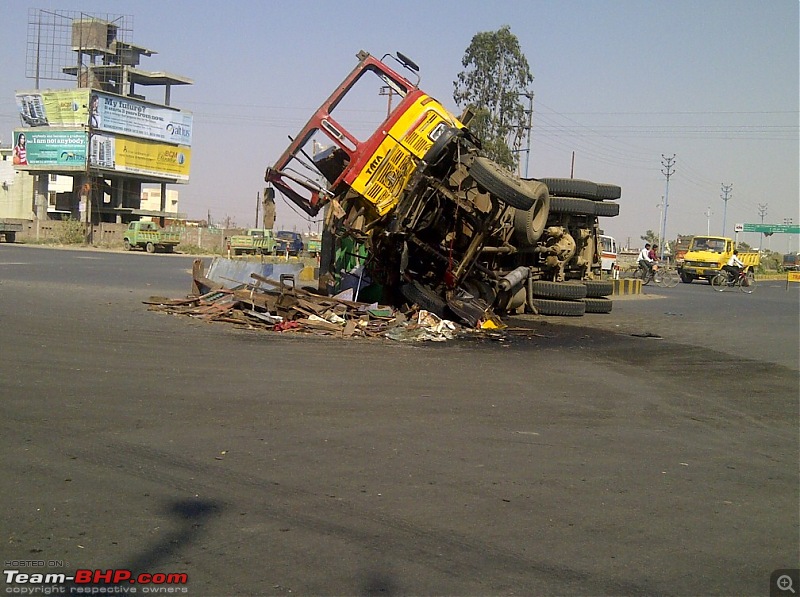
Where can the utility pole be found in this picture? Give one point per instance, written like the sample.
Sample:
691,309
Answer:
708,220
258,204
788,222
667,170
726,195
529,95
762,211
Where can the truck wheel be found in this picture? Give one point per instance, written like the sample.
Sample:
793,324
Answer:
598,288
572,205
437,150
424,298
571,187
564,308
126,244
169,248
558,290
607,210
598,305
10,236
502,184
608,191
686,278
529,224
150,248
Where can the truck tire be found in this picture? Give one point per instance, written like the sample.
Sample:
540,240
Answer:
608,191
437,150
598,288
563,308
686,278
558,290
424,298
126,244
150,248
571,187
571,205
502,184
10,236
530,224
607,210
598,305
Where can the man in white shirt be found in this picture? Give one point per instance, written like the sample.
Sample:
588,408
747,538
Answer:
734,266
644,258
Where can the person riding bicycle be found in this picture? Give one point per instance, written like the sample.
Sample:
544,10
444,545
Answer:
645,261
734,266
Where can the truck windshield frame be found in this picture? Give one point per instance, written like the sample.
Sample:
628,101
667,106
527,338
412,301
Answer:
327,150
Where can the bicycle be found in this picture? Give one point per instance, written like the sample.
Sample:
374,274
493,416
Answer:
746,281
663,277
668,277
646,275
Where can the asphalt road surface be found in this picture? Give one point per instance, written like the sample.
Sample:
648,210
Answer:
653,450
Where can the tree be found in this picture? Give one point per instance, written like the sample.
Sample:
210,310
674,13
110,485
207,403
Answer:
650,237
495,80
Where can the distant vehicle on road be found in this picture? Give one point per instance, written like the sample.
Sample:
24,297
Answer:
151,238
290,242
9,229
608,252
791,262
257,241
707,255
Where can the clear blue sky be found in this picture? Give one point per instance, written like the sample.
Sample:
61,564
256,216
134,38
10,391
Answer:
619,83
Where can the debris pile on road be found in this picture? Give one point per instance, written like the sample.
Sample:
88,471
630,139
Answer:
282,307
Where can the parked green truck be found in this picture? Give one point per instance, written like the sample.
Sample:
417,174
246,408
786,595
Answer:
256,241
9,229
151,238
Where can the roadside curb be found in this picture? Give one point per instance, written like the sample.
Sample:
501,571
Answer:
627,286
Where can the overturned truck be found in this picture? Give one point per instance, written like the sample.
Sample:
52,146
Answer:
412,208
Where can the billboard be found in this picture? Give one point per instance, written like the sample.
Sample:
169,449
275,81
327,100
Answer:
105,112
49,149
126,116
140,157
61,108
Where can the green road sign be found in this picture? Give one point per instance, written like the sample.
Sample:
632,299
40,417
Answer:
771,228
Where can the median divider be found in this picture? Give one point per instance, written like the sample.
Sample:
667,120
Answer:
225,271
627,286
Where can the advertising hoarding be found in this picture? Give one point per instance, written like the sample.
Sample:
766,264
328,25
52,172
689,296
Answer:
60,108
49,149
105,112
126,116
141,157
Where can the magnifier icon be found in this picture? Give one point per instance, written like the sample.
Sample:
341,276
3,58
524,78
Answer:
784,583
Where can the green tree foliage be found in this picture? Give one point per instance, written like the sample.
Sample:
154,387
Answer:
495,75
650,237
